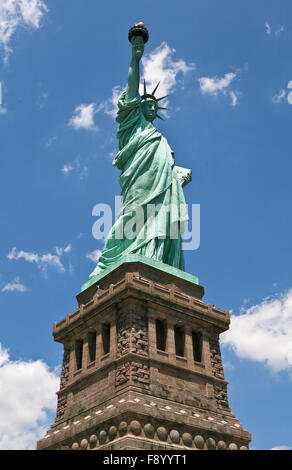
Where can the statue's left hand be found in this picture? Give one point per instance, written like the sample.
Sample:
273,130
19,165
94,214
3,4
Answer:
187,178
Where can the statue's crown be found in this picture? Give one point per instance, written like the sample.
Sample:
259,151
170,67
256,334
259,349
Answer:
151,95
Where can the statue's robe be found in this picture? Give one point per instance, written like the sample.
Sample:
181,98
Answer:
148,177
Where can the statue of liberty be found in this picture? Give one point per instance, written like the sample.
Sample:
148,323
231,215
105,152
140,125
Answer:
153,203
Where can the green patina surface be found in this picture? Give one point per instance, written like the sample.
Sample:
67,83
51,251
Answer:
153,203
142,259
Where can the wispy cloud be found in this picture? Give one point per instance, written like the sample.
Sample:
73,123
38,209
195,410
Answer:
67,169
268,28
113,153
94,255
42,99
42,261
284,95
2,109
289,97
27,394
50,141
281,448
78,167
110,106
214,86
263,333
281,28
234,97
275,30
83,117
15,14
15,286
279,97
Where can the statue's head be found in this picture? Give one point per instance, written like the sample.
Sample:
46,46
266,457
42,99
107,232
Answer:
150,105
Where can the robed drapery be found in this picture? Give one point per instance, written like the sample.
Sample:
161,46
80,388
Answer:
150,185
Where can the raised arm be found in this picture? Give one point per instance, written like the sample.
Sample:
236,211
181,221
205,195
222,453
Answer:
134,69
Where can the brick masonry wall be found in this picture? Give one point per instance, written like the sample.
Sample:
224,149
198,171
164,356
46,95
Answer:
132,337
220,391
62,398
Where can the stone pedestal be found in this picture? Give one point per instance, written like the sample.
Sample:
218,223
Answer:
142,367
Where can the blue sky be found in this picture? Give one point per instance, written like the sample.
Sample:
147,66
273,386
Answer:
228,70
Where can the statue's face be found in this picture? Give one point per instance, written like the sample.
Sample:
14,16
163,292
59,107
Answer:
149,108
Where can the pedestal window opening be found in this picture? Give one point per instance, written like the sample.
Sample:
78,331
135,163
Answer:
161,332
106,338
179,338
78,354
197,346
92,346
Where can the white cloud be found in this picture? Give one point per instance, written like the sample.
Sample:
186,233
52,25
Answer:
27,256
42,99
283,95
44,260
67,169
15,14
281,448
77,166
27,395
289,97
159,66
234,98
51,260
110,106
214,86
280,29
83,117
279,97
15,286
50,141
268,28
94,255
263,333
32,11
2,109
113,153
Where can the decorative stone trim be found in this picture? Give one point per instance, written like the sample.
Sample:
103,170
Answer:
147,287
157,433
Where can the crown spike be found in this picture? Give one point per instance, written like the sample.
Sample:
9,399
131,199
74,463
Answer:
159,117
154,91
161,107
145,90
162,98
